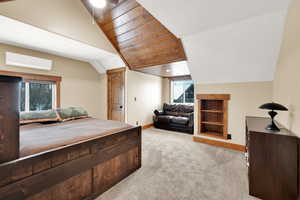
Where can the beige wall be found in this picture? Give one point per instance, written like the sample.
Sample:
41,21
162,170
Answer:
245,100
66,17
166,98
81,84
287,78
148,91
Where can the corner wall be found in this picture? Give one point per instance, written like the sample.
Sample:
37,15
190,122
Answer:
287,78
245,100
81,84
148,91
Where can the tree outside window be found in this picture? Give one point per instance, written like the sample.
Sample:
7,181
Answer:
182,91
37,96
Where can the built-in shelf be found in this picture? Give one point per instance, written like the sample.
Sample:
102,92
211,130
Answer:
213,123
213,115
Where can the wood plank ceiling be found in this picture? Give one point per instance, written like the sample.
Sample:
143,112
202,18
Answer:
140,39
175,69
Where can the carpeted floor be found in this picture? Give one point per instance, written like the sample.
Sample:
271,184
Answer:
176,168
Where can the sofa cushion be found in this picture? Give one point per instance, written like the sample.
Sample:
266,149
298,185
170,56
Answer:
158,112
178,109
180,120
164,119
186,108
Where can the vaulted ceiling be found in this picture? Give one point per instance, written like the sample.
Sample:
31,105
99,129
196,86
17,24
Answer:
139,38
60,27
225,41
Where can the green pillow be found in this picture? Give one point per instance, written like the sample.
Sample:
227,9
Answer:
38,116
70,113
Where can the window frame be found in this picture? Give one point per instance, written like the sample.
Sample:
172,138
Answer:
171,80
27,94
28,77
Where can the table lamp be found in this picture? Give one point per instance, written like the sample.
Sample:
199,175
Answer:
273,106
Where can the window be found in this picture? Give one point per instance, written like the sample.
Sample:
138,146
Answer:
182,91
37,96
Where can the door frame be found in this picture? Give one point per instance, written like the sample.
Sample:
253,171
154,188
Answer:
109,99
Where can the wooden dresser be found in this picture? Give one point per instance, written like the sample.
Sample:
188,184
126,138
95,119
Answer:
9,118
273,161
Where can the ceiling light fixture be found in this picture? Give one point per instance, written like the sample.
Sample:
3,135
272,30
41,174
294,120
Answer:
98,3
168,70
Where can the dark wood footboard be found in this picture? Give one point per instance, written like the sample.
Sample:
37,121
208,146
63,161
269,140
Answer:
75,172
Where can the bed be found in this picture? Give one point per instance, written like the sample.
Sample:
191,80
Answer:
78,159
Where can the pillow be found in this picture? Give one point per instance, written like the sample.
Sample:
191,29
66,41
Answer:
71,113
38,116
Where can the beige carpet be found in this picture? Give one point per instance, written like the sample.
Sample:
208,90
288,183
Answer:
176,168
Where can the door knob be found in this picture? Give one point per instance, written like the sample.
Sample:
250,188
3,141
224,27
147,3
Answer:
121,107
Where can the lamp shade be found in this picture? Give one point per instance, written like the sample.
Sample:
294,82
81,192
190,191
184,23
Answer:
273,106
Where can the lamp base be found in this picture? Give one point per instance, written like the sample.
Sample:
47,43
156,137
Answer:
272,127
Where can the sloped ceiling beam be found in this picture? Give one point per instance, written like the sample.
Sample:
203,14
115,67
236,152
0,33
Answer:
140,39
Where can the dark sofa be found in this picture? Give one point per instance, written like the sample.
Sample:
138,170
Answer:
176,117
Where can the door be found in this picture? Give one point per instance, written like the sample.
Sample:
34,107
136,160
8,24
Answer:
116,94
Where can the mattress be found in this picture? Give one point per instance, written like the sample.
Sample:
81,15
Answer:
36,138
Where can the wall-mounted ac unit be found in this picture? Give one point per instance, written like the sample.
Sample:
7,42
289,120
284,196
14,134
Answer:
20,60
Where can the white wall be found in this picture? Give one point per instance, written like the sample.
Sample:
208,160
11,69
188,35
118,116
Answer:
148,91
226,41
65,17
287,81
202,15
244,51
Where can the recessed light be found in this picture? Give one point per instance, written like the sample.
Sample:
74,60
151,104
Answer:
98,3
168,70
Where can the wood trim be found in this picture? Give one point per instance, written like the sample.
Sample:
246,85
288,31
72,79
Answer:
58,95
225,118
122,69
32,77
214,96
226,145
147,126
38,77
188,77
109,92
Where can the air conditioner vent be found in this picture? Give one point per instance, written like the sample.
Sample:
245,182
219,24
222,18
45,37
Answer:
20,60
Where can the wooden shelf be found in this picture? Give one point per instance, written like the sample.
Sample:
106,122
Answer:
213,123
213,134
213,111
213,115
